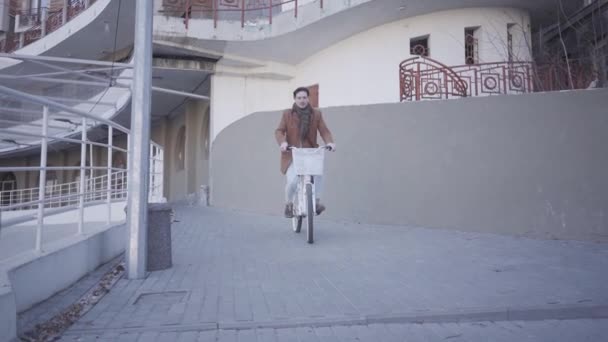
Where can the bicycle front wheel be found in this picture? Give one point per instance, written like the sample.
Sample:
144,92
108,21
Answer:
310,212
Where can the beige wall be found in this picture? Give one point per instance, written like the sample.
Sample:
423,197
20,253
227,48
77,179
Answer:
236,96
179,183
364,69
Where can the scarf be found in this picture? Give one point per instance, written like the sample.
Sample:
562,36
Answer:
305,115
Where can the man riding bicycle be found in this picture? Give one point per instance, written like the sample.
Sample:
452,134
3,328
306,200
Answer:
298,127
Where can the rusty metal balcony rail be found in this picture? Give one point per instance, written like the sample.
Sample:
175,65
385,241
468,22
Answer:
243,10
34,24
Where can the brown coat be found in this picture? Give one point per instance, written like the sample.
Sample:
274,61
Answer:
288,131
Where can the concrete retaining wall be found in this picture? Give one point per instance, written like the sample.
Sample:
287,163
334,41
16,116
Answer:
532,165
30,279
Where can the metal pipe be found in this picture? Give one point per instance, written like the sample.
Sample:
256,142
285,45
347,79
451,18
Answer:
242,13
180,93
54,168
19,110
63,99
137,202
48,212
109,179
215,6
57,67
45,102
62,81
31,203
67,72
34,135
42,180
83,160
63,60
187,13
30,124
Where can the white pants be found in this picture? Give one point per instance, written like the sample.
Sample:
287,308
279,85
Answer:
292,184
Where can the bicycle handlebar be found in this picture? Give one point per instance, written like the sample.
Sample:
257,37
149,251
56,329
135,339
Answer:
318,148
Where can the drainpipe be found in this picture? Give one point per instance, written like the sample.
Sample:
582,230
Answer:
43,22
64,12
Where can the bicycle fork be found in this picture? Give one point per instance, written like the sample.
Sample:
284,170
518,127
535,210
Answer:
301,193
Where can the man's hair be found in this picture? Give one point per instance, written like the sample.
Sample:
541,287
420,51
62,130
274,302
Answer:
304,89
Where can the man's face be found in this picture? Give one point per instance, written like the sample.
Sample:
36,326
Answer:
301,99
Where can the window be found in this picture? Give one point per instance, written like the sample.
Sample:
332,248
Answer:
471,45
35,4
51,177
180,149
8,182
420,46
76,173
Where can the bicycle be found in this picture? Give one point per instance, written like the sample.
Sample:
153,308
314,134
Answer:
308,162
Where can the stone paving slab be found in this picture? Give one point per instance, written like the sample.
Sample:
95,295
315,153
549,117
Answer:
238,270
520,331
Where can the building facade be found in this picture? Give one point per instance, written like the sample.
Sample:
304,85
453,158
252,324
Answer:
349,53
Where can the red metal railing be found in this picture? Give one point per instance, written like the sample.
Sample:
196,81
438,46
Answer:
34,18
558,75
422,78
243,10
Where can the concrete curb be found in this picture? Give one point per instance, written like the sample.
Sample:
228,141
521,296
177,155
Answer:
533,313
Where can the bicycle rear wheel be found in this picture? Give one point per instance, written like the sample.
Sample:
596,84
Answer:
310,212
297,223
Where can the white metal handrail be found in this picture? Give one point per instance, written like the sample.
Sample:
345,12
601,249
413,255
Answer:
63,194
89,188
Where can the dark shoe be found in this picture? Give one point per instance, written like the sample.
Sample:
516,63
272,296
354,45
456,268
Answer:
320,208
289,210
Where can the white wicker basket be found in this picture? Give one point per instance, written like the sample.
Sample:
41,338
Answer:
308,161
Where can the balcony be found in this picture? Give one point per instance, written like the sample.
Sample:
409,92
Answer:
246,11
34,24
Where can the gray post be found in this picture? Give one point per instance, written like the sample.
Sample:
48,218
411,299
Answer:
83,184
42,181
137,201
109,178
43,21
64,12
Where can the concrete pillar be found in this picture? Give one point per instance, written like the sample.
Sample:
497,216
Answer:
168,156
64,12
190,167
64,175
195,113
26,184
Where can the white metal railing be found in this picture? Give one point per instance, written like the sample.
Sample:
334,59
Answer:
105,188
64,194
